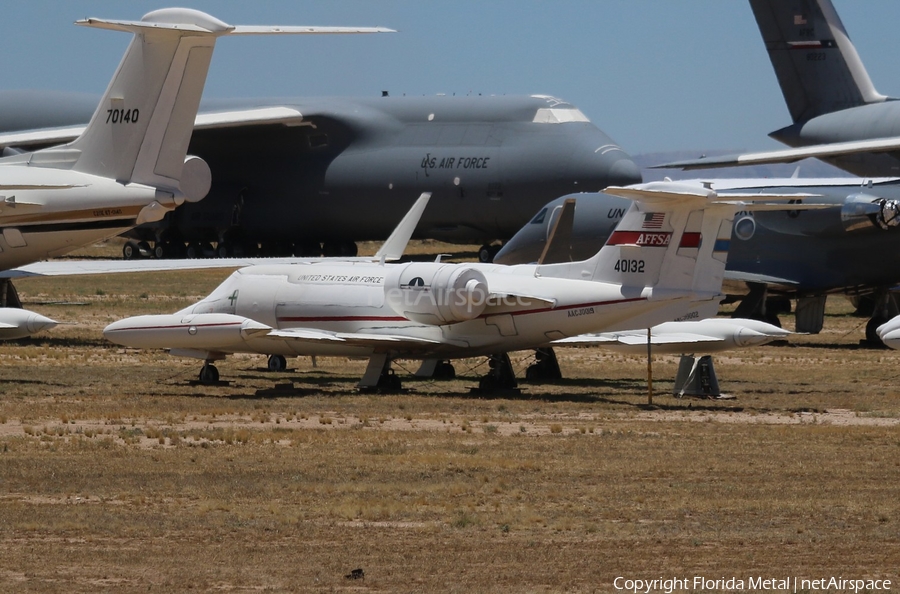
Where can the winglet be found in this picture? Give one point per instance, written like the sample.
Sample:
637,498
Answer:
395,245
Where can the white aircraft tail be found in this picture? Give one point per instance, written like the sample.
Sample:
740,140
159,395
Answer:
817,65
672,243
142,127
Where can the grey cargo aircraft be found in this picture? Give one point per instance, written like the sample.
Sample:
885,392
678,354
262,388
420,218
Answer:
327,172
796,254
837,113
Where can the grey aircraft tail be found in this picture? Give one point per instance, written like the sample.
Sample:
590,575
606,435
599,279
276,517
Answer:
816,63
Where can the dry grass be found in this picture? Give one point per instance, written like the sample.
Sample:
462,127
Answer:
117,474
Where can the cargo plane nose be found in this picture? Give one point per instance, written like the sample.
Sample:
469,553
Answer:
606,165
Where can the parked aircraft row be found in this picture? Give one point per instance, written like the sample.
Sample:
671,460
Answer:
366,147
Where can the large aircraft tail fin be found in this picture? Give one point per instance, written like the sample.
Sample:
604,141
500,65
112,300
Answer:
142,127
816,63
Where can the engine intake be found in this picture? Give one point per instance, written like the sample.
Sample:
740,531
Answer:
862,211
437,294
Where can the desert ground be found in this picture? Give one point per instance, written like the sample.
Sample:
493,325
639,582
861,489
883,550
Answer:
119,474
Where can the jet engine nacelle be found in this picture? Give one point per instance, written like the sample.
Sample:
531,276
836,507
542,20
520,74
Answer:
196,179
859,212
863,211
435,293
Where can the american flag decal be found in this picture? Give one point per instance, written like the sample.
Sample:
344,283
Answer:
799,19
653,220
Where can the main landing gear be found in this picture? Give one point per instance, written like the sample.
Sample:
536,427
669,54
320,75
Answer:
884,308
276,363
436,369
545,368
170,247
501,375
487,252
379,377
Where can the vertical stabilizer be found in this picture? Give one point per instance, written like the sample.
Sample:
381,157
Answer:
816,63
142,127
659,245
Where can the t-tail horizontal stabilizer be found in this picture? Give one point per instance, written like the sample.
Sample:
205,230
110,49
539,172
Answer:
142,127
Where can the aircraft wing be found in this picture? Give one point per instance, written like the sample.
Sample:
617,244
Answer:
835,149
392,249
673,338
287,116
362,339
82,267
749,277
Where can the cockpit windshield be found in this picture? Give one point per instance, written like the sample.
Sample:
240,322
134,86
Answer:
539,218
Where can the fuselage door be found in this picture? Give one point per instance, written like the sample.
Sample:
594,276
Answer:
256,298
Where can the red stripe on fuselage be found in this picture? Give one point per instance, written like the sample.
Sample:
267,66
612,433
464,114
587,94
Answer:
343,319
643,238
487,315
173,326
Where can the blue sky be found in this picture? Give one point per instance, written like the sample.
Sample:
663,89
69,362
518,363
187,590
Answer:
657,75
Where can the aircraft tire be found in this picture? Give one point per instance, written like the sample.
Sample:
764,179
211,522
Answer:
277,363
872,337
131,251
193,251
209,374
487,252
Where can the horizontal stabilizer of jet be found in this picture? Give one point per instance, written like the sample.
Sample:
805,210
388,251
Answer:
273,115
749,277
